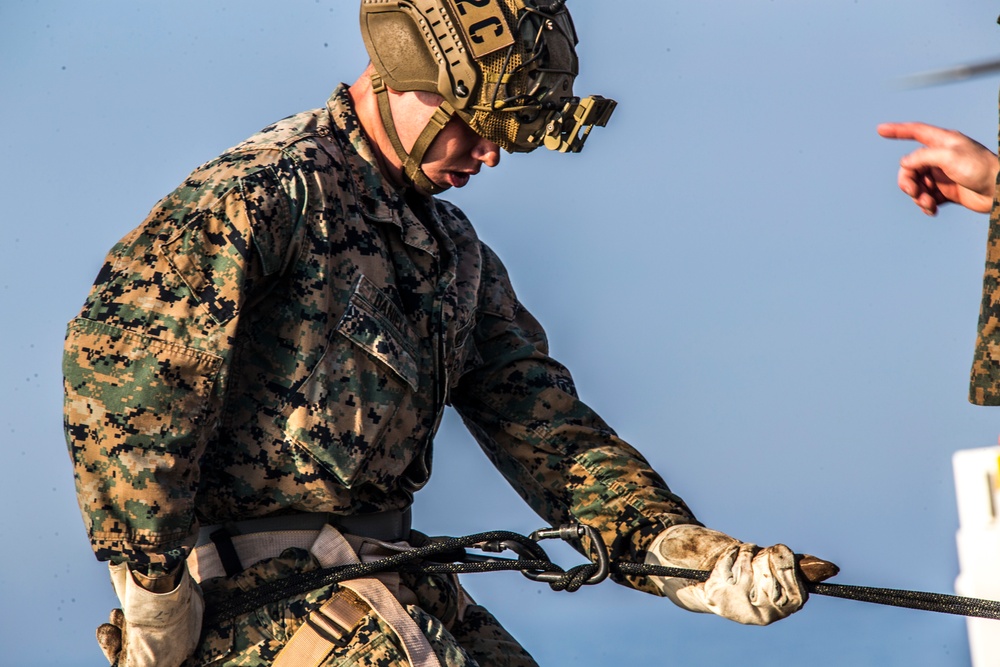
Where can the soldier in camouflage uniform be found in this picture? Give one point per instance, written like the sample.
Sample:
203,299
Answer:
952,168
278,341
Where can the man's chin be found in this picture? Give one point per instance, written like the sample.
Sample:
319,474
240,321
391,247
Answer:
447,181
439,187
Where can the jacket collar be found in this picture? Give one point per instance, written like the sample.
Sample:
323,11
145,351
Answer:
378,200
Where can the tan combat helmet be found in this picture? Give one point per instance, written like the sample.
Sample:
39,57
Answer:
505,67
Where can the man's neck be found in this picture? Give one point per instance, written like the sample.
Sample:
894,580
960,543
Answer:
366,108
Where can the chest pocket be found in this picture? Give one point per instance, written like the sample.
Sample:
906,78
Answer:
368,372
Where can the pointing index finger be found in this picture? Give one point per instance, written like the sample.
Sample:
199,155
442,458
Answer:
929,135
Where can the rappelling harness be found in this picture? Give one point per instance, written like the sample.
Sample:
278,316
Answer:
362,564
448,555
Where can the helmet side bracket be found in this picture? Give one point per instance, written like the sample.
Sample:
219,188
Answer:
414,45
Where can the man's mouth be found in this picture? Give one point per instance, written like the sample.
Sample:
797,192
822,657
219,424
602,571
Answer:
457,179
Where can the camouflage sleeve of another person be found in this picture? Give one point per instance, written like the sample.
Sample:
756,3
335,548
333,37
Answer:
984,388
560,456
145,363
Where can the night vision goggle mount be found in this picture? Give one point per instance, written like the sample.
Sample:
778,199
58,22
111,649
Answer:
568,129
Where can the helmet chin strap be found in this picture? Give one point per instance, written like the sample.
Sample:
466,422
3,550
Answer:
411,161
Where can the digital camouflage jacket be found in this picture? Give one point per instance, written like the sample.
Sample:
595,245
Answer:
283,332
984,388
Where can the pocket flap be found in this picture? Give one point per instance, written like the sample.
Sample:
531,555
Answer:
374,323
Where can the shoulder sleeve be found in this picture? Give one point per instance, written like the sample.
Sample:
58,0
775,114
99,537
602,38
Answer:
145,363
562,458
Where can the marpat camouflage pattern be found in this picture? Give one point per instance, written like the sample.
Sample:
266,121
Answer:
473,638
984,388
282,334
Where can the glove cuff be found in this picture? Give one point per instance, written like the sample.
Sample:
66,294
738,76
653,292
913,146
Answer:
161,629
689,546
692,547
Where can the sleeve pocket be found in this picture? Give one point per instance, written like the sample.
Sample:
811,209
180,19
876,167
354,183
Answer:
210,254
129,390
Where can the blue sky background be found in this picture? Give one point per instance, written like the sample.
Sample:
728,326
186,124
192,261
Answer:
728,269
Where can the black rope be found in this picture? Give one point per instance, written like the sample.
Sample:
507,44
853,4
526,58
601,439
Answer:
303,582
448,556
939,602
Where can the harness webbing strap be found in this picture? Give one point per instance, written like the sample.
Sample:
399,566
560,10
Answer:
328,624
324,628
227,552
204,562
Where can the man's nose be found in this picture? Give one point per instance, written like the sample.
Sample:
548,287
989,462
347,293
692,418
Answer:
487,152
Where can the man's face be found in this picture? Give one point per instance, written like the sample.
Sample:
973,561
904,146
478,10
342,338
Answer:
457,154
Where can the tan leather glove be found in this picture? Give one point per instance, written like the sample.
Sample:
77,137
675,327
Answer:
151,629
748,584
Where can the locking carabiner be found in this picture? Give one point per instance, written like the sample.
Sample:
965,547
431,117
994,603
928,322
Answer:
571,533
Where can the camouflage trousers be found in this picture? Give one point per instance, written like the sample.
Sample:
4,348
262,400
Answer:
253,640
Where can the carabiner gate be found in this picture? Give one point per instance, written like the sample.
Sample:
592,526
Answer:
571,533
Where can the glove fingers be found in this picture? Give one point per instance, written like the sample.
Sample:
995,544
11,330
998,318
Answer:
730,580
729,588
734,568
109,638
778,583
755,586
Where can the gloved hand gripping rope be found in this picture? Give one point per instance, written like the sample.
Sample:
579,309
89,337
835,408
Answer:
449,555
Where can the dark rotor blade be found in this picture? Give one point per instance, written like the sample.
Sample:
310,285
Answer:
953,74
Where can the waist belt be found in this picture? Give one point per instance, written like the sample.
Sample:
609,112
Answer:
389,526
226,549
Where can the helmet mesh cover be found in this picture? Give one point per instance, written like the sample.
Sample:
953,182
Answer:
495,124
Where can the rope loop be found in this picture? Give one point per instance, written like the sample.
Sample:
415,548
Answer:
575,578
